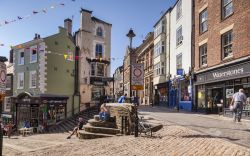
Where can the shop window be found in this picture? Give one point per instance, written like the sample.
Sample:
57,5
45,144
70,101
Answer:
237,82
201,96
227,8
33,79
99,32
92,69
8,83
185,90
244,80
227,43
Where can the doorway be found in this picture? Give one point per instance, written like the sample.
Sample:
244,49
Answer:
214,99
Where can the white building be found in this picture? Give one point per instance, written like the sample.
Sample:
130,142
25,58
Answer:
180,53
161,58
94,41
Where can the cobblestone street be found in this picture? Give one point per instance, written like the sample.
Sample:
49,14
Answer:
171,140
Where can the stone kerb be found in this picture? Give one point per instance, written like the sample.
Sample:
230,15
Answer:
118,110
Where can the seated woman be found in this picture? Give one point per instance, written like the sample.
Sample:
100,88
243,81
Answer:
104,113
77,128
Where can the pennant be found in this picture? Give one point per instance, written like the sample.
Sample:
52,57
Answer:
35,12
1,44
6,22
77,57
65,56
19,17
44,11
62,4
52,7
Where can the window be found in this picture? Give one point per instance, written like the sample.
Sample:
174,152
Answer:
160,28
179,61
20,81
203,21
227,8
159,48
100,69
33,79
159,68
179,10
227,44
33,55
8,83
99,32
21,58
7,104
179,36
203,55
92,69
98,51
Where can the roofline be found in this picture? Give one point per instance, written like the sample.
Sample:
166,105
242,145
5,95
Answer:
99,20
85,10
169,10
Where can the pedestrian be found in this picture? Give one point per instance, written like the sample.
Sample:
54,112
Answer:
238,100
9,129
104,113
77,128
122,98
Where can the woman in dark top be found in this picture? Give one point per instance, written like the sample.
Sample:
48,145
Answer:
76,129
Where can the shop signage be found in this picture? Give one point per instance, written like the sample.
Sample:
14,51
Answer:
2,77
229,93
222,74
137,78
54,101
180,72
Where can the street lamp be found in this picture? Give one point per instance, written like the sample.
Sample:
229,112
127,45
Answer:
130,35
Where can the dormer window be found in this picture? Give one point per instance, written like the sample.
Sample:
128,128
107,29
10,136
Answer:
99,32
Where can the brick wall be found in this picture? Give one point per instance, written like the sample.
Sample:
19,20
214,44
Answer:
240,20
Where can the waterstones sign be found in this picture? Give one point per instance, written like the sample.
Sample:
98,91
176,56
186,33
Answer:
222,74
228,73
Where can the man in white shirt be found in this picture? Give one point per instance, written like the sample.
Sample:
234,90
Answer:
239,99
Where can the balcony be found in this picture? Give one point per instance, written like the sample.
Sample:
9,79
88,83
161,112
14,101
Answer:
100,60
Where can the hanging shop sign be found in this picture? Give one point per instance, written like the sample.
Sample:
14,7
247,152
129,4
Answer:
2,78
137,78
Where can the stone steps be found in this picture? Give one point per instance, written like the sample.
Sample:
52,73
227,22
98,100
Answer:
96,123
102,130
88,135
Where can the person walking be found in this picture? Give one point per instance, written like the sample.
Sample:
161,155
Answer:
238,100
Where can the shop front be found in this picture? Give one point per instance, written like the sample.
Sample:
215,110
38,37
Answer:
41,110
161,94
180,93
215,88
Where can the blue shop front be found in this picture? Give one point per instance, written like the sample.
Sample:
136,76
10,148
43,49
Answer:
180,92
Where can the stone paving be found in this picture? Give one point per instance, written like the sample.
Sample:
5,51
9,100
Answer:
214,125
172,140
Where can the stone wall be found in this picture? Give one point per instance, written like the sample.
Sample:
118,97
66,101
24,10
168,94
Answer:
118,110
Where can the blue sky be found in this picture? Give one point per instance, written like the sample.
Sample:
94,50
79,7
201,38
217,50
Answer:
140,15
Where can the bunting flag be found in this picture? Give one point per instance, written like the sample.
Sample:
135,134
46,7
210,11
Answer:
1,45
65,57
34,12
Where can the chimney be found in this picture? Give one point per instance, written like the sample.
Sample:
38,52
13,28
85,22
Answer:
68,25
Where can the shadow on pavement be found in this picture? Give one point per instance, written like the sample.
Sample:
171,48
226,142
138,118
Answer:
208,136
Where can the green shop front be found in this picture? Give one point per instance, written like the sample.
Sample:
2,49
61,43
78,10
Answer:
39,110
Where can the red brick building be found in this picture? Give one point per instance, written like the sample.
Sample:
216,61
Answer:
222,52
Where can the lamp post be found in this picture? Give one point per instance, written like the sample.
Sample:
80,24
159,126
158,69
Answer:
130,35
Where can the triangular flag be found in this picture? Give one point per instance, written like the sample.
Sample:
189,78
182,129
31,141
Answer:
52,7
62,4
6,22
65,56
77,57
35,12
19,17
1,44
45,10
